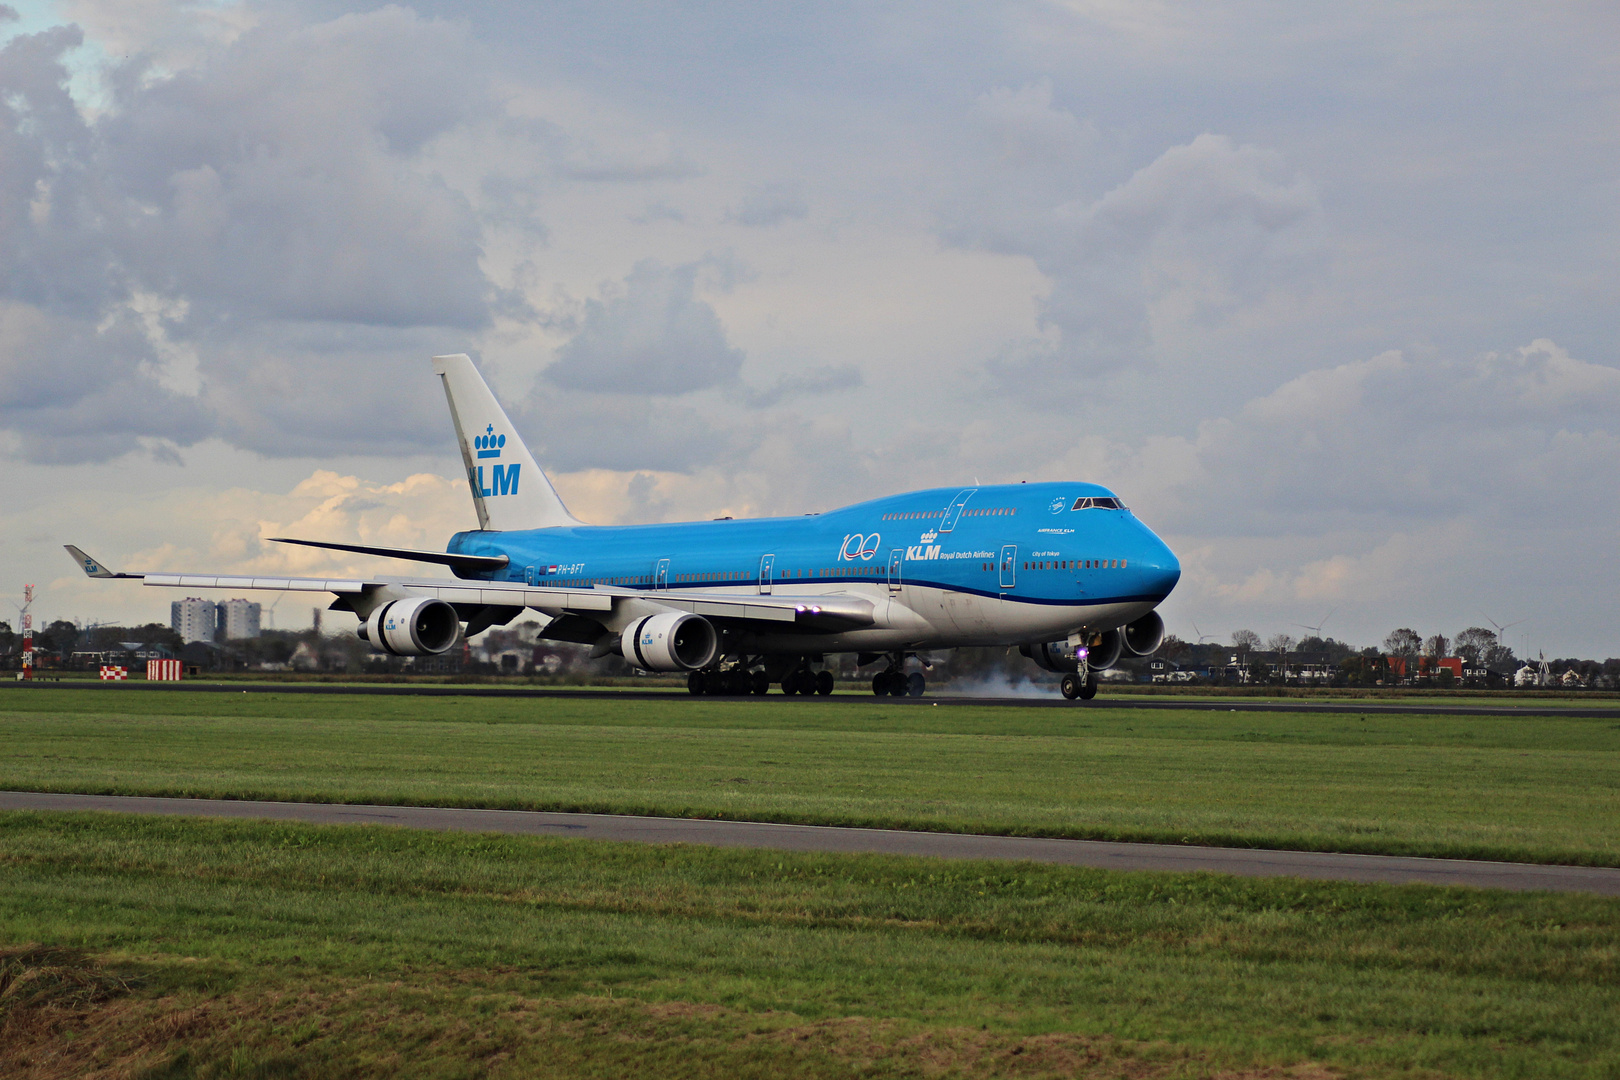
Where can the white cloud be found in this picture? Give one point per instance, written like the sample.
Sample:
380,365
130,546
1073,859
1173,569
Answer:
1205,231
652,335
771,204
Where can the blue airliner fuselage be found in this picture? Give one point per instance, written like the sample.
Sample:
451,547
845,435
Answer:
974,564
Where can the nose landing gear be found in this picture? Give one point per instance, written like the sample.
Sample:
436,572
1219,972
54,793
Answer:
1078,686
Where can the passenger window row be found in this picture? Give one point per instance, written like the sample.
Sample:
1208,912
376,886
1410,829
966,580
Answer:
928,515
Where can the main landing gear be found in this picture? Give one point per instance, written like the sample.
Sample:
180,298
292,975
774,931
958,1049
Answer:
1078,686
805,682
894,682
737,681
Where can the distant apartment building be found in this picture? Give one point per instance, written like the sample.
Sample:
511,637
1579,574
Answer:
239,619
194,619
210,621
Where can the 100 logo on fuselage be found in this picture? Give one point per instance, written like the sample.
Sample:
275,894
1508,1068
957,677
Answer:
859,546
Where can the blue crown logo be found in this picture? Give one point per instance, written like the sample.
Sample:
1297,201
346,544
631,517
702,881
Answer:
489,444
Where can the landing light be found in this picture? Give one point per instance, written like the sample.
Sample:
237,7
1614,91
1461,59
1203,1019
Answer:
1082,652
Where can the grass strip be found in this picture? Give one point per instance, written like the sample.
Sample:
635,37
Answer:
466,948
1539,789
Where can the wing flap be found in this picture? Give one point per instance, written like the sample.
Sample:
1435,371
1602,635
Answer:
231,581
780,608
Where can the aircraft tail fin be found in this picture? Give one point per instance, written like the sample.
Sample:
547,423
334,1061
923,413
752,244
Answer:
509,491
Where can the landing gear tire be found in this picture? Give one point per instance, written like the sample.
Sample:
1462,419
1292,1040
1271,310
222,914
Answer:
916,684
801,682
824,683
1073,686
696,683
889,684
762,684
739,682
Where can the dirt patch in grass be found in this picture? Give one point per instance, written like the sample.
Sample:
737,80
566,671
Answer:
33,977
475,1024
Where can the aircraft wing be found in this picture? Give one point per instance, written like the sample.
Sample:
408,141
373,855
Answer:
470,597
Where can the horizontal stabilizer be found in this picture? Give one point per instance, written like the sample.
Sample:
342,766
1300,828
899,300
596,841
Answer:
91,567
472,563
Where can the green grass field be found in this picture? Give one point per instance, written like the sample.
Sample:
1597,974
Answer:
151,948
1534,787
168,948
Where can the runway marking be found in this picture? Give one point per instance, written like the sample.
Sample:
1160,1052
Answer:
1243,862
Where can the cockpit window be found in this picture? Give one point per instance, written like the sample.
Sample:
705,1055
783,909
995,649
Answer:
1087,502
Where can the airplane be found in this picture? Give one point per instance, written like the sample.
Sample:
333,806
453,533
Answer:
1063,571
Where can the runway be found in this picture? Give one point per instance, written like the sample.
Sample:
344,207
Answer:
1244,862
1031,701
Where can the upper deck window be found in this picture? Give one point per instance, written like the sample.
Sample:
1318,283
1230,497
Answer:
1087,502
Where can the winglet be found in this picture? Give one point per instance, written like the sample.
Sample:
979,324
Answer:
92,568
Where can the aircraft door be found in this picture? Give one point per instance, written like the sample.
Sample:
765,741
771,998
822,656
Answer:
954,511
531,575
661,575
896,558
767,566
1009,566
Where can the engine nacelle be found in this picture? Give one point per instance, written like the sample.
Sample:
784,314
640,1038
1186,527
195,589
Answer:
1144,636
670,641
415,626
1105,653
1051,656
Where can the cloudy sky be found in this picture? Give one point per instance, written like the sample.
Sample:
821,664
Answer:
1328,293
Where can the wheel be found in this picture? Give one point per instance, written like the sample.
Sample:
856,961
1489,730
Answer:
790,683
880,684
916,684
695,683
897,684
1071,686
762,684
806,682
824,683
738,681
1089,690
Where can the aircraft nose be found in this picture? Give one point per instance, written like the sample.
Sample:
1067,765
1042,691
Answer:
1160,567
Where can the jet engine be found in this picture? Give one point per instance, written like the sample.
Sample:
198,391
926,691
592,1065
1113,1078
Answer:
1051,656
1057,656
1144,636
415,626
1105,653
670,641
